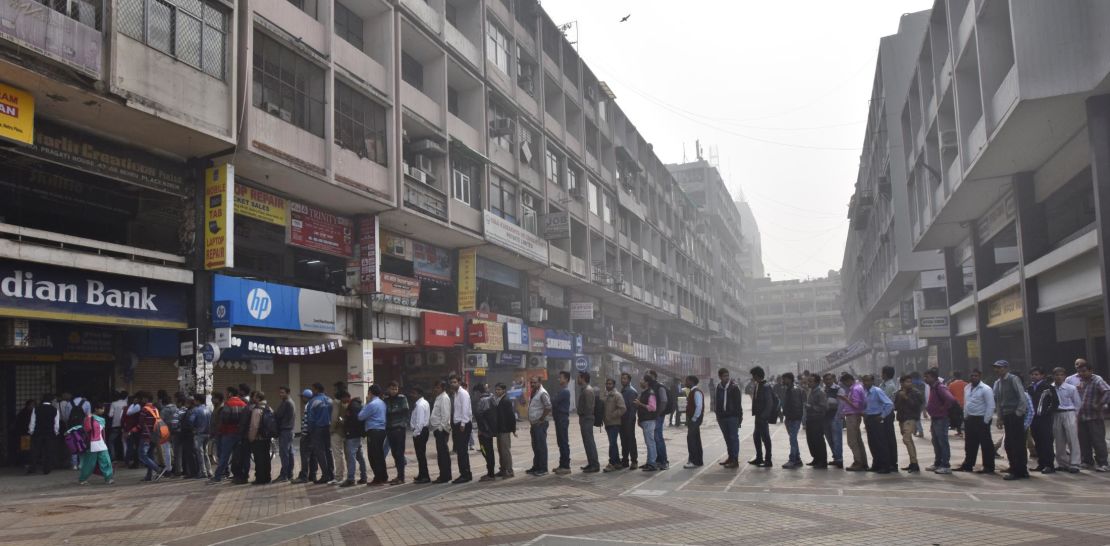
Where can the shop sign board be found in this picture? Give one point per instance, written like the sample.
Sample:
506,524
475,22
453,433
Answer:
399,289
511,360
515,238
468,281
556,225
486,335
901,342
559,344
442,330
219,221
581,363
271,305
537,340
319,230
431,262
37,291
581,310
1004,309
396,245
369,261
933,323
259,205
17,115
516,337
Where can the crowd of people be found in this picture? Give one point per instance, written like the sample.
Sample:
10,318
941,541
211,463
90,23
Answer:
1056,416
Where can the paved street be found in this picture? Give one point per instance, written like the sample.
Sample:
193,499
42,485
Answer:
710,505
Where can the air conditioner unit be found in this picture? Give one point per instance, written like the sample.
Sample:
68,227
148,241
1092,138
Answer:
427,146
527,200
948,141
423,163
414,360
437,358
501,127
477,360
536,361
419,175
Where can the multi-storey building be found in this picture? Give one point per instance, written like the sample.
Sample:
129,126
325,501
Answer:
1005,149
328,190
797,323
751,251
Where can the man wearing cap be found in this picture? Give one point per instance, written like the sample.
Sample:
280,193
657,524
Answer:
1010,408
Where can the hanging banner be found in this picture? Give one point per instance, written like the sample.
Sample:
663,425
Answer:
259,205
400,290
319,230
368,258
17,115
468,282
219,222
431,263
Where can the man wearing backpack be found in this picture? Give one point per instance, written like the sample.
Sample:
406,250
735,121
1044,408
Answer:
149,419
586,406
485,417
765,411
263,427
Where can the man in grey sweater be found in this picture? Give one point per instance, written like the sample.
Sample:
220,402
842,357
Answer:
587,402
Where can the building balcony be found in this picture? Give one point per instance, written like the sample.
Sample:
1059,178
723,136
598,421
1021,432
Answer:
578,266
425,14
72,38
558,257
357,62
421,104
420,197
462,45
464,132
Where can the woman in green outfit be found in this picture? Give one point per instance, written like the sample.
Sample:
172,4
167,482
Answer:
98,449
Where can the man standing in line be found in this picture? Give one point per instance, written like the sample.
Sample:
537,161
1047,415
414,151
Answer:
908,404
890,387
628,423
957,386
834,420
793,410
261,424
853,400
506,430
646,407
815,405
940,401
539,414
874,413
285,415
695,413
587,403
319,430
309,464
230,415
727,400
1094,394
1043,394
1010,407
200,421
764,411
418,422
614,413
978,413
372,416
1064,430
396,423
44,426
664,401
485,417
561,412
353,431
115,431
461,427
336,438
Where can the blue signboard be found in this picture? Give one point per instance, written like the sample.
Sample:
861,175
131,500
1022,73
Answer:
559,344
270,305
221,314
37,291
581,363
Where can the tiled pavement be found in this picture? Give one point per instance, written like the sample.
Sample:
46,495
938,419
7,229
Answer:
710,505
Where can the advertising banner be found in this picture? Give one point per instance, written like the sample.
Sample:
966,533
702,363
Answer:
516,337
271,305
259,205
319,230
368,259
396,245
492,332
933,323
1004,309
581,310
556,225
468,279
400,290
559,344
219,222
513,237
17,115
431,263
442,330
537,342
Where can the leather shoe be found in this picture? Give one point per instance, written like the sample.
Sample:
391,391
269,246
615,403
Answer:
442,480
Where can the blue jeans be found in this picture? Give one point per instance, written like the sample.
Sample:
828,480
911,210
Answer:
834,434
614,433
792,428
285,452
939,431
146,452
227,445
539,447
562,437
660,445
649,440
352,449
200,443
730,429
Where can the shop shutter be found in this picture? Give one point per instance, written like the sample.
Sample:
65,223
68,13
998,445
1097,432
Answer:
223,377
153,374
280,378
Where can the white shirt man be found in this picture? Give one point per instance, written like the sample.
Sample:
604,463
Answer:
421,415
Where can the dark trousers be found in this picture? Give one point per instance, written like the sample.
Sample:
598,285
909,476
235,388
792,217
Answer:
977,437
485,443
42,452
420,446
539,446
320,440
876,442
133,440
693,441
815,440
241,461
1092,441
891,443
628,441
762,439
260,448
1041,428
614,433
1014,426
396,436
586,427
443,454
562,437
308,458
375,454
285,453
461,440
188,454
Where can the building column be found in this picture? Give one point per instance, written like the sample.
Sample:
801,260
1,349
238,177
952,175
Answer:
1032,236
953,288
1098,132
984,266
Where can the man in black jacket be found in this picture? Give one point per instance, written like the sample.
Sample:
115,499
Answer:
764,411
793,407
485,416
1045,401
815,406
285,415
397,416
727,405
506,429
44,428
353,430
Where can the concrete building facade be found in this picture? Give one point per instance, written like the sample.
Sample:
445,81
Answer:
797,323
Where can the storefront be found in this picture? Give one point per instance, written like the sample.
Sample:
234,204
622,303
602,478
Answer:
439,353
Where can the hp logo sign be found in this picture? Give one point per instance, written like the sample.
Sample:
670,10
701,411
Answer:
259,304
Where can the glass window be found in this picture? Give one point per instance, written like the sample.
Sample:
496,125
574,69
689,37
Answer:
348,26
465,182
359,124
502,137
526,72
595,198
502,198
192,31
528,218
527,147
553,168
497,47
412,71
461,186
572,179
606,208
287,85
452,100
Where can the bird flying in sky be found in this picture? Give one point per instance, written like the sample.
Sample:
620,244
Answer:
625,18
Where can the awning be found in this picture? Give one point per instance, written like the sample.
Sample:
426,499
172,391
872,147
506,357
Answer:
458,146
847,354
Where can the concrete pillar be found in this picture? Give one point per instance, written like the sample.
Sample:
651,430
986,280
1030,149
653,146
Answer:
1032,235
984,266
954,288
1098,133
360,367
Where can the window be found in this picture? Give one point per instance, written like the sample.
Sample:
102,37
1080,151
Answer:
287,85
601,110
452,14
412,71
453,100
528,218
348,26
311,7
191,31
553,168
464,183
594,197
497,47
606,208
526,72
501,138
527,147
502,198
572,179
359,124
461,186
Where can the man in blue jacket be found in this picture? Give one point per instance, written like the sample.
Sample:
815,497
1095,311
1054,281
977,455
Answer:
319,431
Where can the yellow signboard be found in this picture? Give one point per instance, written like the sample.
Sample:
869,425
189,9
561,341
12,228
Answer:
973,348
1004,309
219,222
468,279
17,115
259,205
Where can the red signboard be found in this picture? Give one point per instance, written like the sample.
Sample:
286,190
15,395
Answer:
442,330
476,333
319,230
537,340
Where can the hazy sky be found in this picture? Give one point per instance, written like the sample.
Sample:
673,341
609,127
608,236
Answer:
779,89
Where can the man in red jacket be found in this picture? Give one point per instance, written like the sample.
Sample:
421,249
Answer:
230,416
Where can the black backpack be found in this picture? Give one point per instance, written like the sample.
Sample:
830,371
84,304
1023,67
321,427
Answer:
77,414
670,400
267,426
599,410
